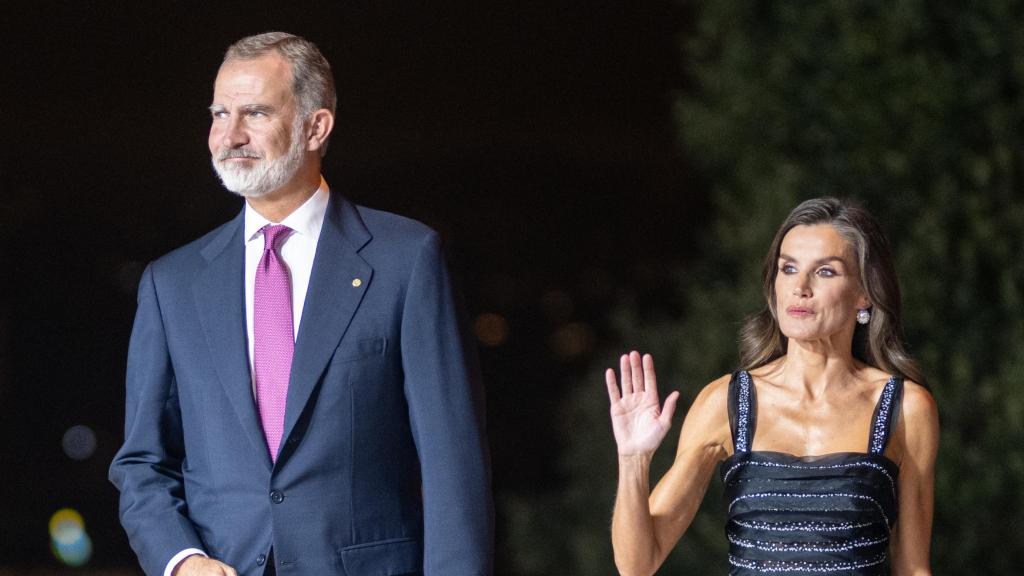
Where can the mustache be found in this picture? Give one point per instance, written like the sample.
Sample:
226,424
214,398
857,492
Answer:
238,153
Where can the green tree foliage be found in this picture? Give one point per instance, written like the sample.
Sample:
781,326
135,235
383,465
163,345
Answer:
915,108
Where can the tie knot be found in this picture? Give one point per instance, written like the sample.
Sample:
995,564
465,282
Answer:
274,235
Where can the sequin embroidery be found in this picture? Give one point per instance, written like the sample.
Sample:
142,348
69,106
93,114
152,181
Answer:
769,546
743,414
772,566
802,526
879,432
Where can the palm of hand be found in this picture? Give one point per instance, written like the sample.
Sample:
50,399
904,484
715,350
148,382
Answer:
638,421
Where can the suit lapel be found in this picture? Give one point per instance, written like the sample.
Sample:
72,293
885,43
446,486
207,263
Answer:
332,298
219,292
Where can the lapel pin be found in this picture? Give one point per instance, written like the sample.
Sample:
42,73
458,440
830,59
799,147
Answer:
356,282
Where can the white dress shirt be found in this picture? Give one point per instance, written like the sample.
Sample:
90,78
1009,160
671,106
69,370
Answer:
297,251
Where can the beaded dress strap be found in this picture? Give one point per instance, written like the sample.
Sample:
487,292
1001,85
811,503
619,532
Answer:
742,410
887,411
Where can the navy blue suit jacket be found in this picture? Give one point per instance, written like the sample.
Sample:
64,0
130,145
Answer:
383,465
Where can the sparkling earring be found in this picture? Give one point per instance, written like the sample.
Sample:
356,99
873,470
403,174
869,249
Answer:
863,316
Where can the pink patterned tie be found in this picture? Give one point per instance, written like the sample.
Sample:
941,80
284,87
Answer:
273,335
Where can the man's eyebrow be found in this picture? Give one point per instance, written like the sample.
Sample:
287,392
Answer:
257,108
214,108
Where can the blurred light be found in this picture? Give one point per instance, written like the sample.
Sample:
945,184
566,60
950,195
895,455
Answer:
70,544
572,340
75,554
79,442
491,329
66,525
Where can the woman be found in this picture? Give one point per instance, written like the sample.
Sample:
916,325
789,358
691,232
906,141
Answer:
838,478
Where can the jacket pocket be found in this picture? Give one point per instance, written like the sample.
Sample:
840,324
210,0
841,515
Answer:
346,352
392,557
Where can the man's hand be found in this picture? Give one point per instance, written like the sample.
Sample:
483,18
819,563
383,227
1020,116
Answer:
197,565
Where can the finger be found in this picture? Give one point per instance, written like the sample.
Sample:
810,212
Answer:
650,380
669,409
229,571
637,371
613,387
626,374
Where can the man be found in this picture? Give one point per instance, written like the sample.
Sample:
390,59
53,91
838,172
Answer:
300,397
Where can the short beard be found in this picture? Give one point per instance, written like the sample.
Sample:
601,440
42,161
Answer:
265,176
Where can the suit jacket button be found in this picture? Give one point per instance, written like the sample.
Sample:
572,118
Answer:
261,559
276,496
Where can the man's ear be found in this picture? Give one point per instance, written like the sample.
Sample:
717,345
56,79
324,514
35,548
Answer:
321,123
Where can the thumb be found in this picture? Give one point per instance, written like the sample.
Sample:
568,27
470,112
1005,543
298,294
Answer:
669,409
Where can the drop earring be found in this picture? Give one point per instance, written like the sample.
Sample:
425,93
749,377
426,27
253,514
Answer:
863,316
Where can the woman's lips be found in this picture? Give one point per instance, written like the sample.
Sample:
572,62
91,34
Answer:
798,312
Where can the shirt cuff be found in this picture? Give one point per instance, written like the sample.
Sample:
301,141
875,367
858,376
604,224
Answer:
177,559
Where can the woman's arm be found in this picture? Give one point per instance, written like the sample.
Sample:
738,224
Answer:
911,539
646,526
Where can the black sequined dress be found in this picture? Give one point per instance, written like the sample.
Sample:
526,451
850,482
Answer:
812,515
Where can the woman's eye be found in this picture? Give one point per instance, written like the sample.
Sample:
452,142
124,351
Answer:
787,269
826,272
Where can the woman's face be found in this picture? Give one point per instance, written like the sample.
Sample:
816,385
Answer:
817,285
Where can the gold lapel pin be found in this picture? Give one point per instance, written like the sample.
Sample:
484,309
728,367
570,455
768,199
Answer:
356,282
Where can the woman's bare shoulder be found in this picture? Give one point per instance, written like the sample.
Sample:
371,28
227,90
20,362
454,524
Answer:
919,405
919,423
714,395
716,391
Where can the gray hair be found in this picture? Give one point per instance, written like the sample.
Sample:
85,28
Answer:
312,80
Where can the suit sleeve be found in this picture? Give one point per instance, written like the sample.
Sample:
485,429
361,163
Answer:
444,392
148,468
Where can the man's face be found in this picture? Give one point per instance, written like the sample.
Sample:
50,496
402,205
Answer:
256,133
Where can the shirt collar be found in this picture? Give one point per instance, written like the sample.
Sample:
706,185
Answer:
306,220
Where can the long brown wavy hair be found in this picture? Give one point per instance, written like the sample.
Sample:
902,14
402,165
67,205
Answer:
880,342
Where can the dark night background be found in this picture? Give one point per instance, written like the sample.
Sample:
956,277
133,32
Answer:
536,136
606,175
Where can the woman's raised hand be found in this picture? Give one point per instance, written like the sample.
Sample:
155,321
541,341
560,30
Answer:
638,420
